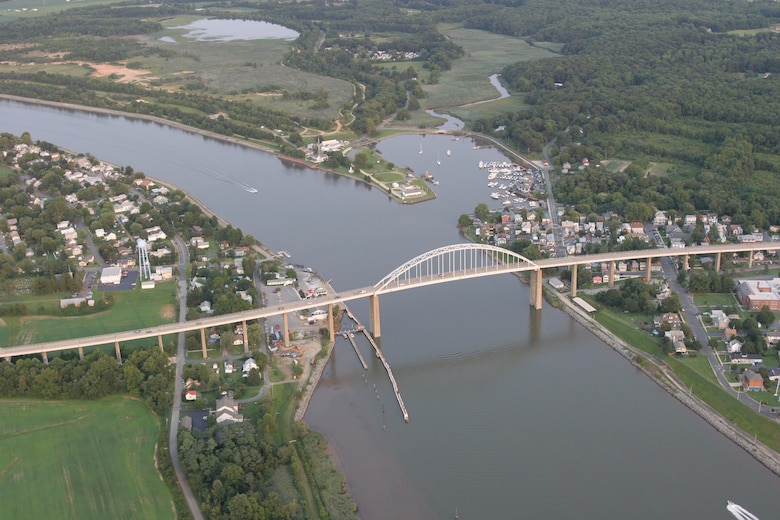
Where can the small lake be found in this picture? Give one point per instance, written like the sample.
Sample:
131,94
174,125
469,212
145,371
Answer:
218,30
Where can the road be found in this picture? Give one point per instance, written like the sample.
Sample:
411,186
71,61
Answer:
178,387
560,247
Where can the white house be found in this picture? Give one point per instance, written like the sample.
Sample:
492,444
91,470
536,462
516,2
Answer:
734,346
249,364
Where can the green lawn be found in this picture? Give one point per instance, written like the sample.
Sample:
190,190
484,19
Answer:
81,460
131,310
707,301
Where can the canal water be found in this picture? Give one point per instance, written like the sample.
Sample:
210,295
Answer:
514,413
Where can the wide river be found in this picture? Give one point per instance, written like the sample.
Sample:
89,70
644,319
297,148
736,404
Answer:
514,413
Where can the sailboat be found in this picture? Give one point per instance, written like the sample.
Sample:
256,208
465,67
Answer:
438,159
420,148
449,152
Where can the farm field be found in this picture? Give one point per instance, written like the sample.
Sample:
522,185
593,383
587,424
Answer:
131,310
80,459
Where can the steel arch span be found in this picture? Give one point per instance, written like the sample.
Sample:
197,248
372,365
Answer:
454,262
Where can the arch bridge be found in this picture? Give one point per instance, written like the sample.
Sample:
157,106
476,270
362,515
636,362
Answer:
445,264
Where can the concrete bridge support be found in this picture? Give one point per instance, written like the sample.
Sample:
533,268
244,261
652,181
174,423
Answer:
717,262
286,327
649,270
373,315
246,337
203,343
574,280
331,325
45,357
118,354
685,264
750,259
160,343
611,274
536,289
81,353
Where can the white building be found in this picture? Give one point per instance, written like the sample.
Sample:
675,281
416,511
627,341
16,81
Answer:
111,275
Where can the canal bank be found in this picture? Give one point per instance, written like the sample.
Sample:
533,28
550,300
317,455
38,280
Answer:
669,382
464,354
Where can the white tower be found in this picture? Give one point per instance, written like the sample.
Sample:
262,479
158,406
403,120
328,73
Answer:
145,271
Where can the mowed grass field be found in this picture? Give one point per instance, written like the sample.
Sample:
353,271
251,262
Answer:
132,310
80,460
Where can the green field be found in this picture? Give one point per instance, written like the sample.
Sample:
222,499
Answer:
486,54
80,460
228,68
131,310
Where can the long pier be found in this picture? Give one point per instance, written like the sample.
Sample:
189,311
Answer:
354,346
381,357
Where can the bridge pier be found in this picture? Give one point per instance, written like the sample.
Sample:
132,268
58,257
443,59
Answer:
45,357
118,354
8,358
536,289
717,262
750,259
203,343
611,274
81,353
246,337
574,280
685,265
373,315
649,271
160,343
286,328
331,325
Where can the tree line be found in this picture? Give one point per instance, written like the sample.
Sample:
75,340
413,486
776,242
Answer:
145,374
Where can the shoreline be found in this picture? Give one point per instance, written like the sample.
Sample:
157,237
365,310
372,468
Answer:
208,134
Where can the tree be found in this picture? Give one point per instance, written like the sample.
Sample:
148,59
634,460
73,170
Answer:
482,211
670,304
254,378
765,317
464,221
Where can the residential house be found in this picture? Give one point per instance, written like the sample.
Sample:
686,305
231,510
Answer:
740,358
155,233
249,364
734,346
752,382
720,319
227,411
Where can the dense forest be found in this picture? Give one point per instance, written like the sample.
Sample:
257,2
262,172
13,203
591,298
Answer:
665,82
